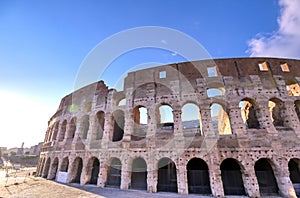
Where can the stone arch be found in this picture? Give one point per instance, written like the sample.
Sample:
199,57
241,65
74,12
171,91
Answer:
191,119
72,128
63,129
294,169
164,118
114,173
84,125
122,102
265,177
167,176
140,121
46,168
42,165
275,107
100,121
232,177
92,170
198,176
54,169
64,165
118,125
139,174
220,118
76,170
214,92
55,131
249,113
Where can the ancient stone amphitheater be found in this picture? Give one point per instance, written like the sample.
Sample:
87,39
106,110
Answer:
242,140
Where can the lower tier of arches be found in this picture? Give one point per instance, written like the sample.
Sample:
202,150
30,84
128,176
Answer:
252,173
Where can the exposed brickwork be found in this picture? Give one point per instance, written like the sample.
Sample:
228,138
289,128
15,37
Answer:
264,129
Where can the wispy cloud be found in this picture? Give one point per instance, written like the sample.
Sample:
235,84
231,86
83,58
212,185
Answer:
284,42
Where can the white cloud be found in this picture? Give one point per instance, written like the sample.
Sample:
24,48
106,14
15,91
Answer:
284,42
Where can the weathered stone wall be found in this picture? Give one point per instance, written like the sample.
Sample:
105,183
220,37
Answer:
258,109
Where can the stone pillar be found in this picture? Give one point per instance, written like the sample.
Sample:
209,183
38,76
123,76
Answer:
236,122
207,128
71,169
290,115
128,126
85,175
152,127
215,178
108,129
125,177
264,116
182,183
102,177
284,182
152,177
178,133
250,181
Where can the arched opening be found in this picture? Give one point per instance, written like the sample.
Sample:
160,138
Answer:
54,169
140,118
165,120
198,177
119,121
46,168
294,168
297,108
139,174
93,168
214,92
64,165
293,88
62,131
232,177
167,178
122,102
275,108
100,121
72,128
85,125
265,177
249,113
220,119
76,170
56,125
114,173
191,119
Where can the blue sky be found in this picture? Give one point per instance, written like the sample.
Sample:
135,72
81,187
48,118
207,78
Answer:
43,43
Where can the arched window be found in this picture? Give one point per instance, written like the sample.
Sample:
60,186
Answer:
265,177
55,131
220,119
118,127
76,170
167,176
140,119
165,121
54,169
232,177
85,125
62,131
72,128
92,170
64,165
191,119
213,92
122,102
100,121
46,168
294,168
275,108
114,173
249,113
198,177
139,174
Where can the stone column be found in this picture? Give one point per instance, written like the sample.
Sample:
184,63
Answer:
236,122
250,181
85,175
284,182
102,177
128,125
152,127
152,177
108,129
125,177
178,133
215,178
264,116
291,116
182,183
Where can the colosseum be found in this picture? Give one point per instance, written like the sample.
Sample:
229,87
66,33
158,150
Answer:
210,127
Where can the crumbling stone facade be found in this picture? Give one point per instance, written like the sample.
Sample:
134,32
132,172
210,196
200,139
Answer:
250,147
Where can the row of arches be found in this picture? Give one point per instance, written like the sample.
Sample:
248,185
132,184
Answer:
197,172
190,115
